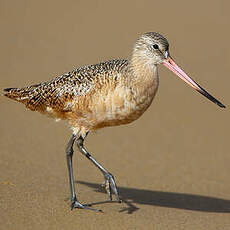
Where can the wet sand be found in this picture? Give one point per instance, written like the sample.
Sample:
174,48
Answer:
171,166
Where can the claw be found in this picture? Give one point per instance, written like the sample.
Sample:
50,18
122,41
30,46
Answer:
76,204
110,186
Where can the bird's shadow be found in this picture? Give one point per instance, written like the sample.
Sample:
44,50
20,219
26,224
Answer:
133,196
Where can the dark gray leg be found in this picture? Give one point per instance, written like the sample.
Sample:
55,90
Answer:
109,183
69,155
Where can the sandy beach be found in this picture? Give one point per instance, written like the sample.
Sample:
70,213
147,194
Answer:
171,165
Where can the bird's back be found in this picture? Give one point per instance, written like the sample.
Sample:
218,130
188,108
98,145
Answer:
59,93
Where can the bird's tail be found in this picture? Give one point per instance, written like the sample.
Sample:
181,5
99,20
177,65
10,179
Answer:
23,95
16,94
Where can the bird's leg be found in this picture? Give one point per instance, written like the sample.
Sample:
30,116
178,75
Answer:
69,154
109,183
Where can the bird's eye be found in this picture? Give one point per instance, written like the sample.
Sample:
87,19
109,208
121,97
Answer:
155,46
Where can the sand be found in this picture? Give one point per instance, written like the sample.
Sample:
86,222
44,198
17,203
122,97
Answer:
171,166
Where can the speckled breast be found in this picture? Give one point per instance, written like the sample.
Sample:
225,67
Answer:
120,105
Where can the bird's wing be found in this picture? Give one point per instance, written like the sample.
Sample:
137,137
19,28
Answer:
57,92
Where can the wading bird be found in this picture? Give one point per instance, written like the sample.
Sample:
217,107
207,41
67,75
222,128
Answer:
111,93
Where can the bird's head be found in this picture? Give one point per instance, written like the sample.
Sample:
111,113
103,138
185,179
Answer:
152,49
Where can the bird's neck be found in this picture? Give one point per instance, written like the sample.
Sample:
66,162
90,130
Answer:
143,73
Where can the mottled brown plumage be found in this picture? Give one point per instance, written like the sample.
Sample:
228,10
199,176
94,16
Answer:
62,95
107,94
110,93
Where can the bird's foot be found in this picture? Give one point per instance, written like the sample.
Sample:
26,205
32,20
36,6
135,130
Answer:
110,186
76,204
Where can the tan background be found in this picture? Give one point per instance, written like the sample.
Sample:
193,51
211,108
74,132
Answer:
172,165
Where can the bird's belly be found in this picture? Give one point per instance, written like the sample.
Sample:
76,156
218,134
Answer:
121,106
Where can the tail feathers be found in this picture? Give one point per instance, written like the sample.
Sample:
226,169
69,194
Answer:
36,97
28,96
9,89
16,94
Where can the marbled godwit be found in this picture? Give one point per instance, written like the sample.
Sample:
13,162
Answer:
110,93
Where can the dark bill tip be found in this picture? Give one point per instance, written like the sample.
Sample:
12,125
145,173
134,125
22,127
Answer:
210,97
